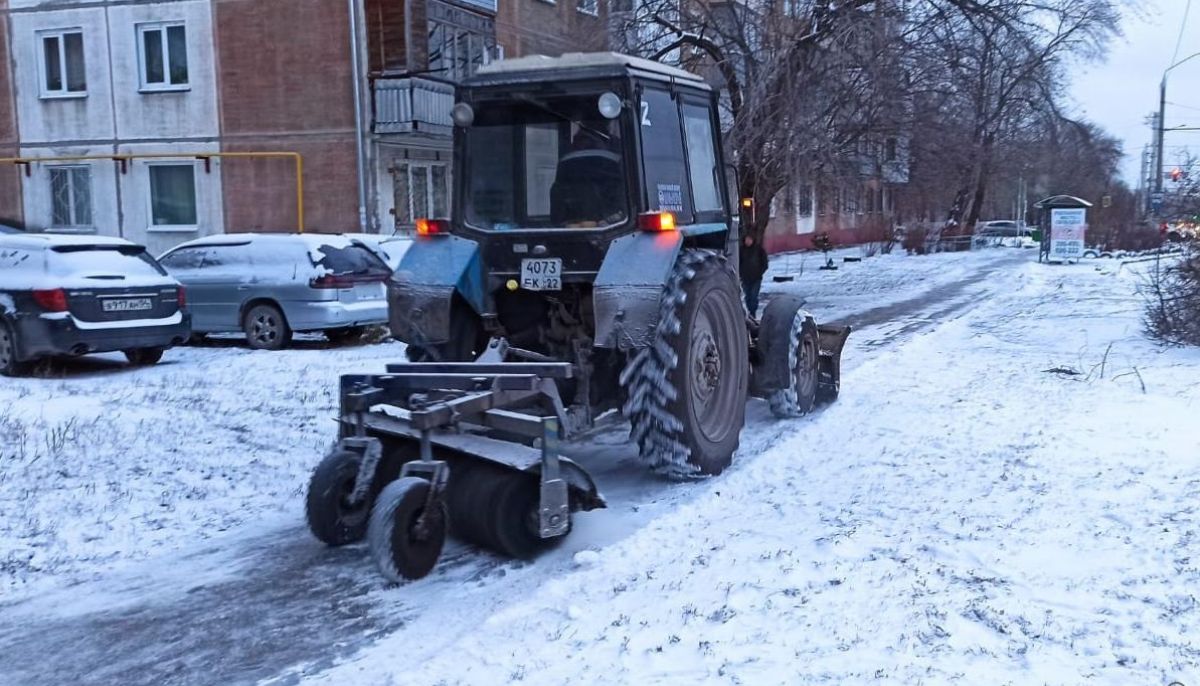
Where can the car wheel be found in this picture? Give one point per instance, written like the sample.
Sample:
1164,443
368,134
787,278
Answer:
266,328
346,335
143,357
9,364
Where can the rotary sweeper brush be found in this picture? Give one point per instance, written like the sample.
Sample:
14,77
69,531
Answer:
590,266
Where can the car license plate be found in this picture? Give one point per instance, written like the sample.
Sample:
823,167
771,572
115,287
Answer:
368,291
125,304
541,274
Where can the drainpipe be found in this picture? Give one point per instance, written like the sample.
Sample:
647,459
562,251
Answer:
356,68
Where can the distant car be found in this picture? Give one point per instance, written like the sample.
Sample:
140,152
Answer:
73,295
269,286
1003,233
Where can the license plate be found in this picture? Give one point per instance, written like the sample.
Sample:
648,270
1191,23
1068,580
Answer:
541,274
126,304
368,291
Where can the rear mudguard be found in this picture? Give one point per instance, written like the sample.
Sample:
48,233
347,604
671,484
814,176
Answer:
629,286
421,292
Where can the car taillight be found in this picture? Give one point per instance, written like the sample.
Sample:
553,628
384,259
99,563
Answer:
182,297
433,227
332,281
54,300
656,222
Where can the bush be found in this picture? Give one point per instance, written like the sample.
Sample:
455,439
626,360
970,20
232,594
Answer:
1173,299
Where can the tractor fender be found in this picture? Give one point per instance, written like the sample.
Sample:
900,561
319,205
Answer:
629,286
421,291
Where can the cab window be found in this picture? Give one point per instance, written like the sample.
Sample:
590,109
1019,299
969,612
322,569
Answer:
664,165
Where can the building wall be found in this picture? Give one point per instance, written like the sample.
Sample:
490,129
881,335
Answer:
10,175
287,91
115,116
539,27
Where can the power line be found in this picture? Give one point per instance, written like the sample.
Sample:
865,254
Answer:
1182,27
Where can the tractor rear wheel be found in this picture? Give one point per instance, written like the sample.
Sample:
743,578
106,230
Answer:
687,390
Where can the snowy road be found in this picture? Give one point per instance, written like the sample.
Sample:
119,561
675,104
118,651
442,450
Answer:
262,602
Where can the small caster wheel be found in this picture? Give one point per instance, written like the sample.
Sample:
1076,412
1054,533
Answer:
332,518
405,538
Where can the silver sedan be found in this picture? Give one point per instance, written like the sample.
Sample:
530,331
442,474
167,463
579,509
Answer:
269,286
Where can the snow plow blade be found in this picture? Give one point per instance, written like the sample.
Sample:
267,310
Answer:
832,339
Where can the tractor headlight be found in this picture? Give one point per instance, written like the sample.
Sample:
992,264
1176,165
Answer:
462,114
609,105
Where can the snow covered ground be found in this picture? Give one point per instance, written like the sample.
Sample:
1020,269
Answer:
959,515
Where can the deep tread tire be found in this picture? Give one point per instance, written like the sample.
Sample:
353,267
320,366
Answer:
9,365
330,517
266,328
397,551
687,391
789,344
347,335
143,357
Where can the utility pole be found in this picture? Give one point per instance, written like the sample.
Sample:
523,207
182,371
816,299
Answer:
1162,123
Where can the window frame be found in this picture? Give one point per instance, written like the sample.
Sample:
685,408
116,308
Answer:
140,31
407,166
710,215
71,170
170,228
44,92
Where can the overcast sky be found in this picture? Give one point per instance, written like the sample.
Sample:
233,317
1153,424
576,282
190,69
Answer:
1119,93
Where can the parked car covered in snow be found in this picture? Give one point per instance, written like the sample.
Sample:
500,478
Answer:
269,286
389,247
73,295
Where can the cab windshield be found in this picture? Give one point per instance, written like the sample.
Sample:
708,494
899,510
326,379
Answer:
544,163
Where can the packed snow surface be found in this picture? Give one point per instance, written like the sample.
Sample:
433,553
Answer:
1004,493
962,514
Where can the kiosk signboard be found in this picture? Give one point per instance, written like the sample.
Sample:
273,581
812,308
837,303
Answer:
1067,227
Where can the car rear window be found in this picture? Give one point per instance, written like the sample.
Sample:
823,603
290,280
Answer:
350,259
103,261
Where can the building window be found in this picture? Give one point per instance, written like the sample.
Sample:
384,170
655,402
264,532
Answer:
162,52
890,150
455,53
172,195
591,7
804,201
71,197
422,191
63,70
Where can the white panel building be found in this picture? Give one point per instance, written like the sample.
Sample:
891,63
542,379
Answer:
98,79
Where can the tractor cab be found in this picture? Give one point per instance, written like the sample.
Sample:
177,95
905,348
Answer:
556,161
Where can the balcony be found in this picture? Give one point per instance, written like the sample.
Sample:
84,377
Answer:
413,105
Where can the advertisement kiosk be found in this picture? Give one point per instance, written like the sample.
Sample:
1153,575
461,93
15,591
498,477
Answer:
1063,223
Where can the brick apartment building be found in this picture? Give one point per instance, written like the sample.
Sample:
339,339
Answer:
167,86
